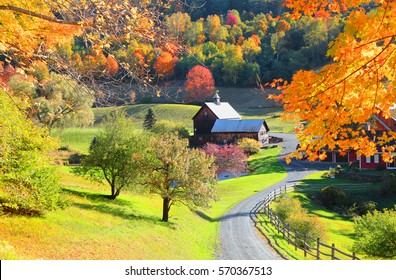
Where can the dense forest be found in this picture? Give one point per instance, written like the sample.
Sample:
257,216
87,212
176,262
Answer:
241,42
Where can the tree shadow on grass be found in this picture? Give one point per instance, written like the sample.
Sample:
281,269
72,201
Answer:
117,207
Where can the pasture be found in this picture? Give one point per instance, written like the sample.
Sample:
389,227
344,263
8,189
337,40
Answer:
129,227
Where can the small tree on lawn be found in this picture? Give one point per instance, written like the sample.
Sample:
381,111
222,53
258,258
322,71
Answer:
199,84
113,155
376,234
179,174
231,159
250,146
149,120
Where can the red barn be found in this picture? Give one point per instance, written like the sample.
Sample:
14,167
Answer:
218,122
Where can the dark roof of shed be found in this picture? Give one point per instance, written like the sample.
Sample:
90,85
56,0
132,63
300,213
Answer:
239,126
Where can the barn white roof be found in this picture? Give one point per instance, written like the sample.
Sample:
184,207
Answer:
223,110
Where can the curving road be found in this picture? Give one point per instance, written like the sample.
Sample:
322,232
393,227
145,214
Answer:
239,239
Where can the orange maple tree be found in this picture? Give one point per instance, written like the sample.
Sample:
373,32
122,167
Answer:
336,102
199,84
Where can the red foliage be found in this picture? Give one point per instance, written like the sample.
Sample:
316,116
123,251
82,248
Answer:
199,84
231,20
229,159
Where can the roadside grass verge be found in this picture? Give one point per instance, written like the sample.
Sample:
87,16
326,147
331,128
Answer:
339,228
129,227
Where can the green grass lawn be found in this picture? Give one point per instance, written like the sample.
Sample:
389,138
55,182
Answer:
129,227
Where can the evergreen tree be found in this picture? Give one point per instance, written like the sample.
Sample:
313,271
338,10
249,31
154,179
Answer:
149,120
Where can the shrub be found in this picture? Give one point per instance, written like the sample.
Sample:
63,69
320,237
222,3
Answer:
286,206
28,181
249,146
332,197
362,208
376,234
332,173
389,185
306,225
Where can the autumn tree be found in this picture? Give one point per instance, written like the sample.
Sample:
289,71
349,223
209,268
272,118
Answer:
179,174
199,84
336,101
228,159
114,155
231,20
28,180
41,30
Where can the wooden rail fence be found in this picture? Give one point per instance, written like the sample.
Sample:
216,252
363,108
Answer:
309,245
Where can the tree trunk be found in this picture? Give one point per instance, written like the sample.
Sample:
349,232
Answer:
114,192
165,209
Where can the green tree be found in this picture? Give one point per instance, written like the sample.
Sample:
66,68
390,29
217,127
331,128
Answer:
28,181
149,120
376,234
113,155
179,174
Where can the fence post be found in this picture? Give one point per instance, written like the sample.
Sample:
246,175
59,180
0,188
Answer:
318,248
283,230
333,251
288,234
295,240
353,256
305,245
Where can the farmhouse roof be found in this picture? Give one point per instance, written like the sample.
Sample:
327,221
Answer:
223,110
239,126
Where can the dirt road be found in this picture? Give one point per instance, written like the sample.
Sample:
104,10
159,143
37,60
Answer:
239,239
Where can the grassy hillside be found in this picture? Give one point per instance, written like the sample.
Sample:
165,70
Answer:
93,227
80,138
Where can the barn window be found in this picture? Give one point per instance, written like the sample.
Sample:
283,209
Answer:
376,158
368,159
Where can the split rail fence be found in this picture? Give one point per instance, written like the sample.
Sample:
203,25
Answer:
309,245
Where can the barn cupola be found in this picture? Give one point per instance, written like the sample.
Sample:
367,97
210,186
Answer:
216,99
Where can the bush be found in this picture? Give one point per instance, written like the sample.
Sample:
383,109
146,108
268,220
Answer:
376,234
332,173
389,185
306,225
362,208
332,197
249,146
290,211
285,207
28,181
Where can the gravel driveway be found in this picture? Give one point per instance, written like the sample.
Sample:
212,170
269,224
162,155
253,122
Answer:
239,239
